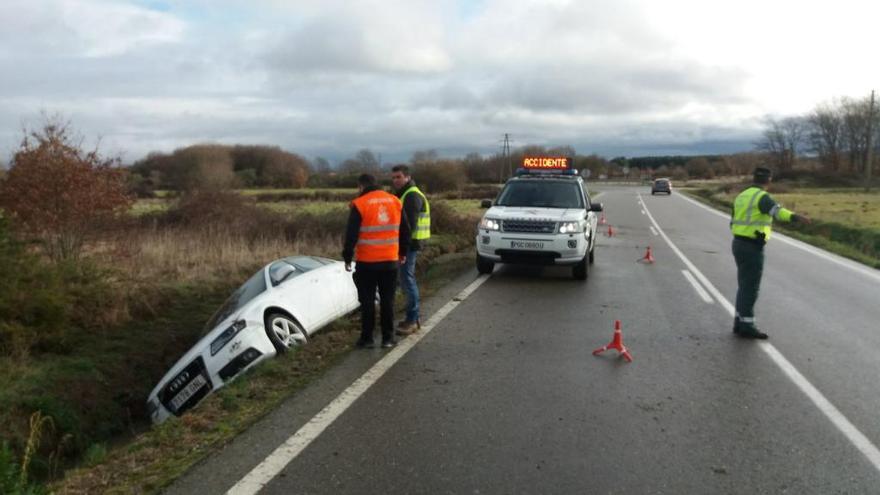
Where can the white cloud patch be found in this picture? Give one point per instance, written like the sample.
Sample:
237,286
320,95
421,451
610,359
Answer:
82,28
364,37
328,77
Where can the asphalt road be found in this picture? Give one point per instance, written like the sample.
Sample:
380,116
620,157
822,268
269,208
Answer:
504,395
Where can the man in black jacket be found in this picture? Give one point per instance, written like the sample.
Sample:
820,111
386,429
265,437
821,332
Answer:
379,242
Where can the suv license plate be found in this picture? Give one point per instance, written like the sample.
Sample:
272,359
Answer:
188,391
526,245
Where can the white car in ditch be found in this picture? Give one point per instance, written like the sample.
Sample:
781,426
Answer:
279,307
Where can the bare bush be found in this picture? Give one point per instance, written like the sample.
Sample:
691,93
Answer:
60,193
439,176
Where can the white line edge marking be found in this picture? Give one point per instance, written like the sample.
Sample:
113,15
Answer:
266,470
697,287
653,230
852,265
856,437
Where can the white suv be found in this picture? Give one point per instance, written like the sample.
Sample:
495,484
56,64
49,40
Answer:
540,218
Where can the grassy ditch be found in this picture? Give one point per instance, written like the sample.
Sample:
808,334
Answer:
154,458
91,340
846,222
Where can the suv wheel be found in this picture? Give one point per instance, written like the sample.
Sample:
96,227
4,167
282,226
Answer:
592,255
582,269
484,265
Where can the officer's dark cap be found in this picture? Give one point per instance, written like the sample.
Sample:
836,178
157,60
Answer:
762,175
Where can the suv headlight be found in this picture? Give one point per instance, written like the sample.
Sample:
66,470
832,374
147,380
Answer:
490,224
570,227
226,336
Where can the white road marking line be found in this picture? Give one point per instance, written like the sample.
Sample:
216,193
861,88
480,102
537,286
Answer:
264,472
856,437
697,287
653,230
852,265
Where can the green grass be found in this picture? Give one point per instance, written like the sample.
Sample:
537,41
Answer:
146,206
846,222
856,209
309,207
304,190
95,390
465,207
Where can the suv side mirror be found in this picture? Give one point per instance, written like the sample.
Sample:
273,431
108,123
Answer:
486,203
596,207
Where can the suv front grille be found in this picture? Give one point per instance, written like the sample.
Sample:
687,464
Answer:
528,226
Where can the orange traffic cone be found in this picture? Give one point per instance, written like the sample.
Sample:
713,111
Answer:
649,258
602,219
610,232
616,343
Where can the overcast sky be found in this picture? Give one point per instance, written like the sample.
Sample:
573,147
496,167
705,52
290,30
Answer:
327,77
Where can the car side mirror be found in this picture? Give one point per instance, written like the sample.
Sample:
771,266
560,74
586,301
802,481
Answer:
596,207
486,203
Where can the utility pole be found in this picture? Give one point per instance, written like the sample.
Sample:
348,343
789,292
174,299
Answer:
869,158
505,152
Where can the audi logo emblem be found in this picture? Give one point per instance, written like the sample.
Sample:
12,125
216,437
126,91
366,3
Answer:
179,381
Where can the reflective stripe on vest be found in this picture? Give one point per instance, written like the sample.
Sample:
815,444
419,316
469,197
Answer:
747,220
422,229
380,224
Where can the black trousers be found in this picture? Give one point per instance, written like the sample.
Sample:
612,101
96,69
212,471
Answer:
367,281
749,258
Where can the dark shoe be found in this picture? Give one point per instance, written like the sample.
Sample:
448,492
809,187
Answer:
749,332
408,328
388,344
364,344
402,323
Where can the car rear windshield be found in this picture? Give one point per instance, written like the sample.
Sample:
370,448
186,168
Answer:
254,286
542,194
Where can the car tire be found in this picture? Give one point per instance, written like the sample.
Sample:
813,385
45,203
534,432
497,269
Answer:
484,265
592,255
582,270
284,332
652,193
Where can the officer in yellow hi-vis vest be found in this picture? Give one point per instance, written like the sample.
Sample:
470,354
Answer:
750,223
418,212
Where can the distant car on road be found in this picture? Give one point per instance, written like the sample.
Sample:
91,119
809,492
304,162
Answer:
661,185
279,307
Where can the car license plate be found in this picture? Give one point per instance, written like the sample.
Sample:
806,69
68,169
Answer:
526,245
188,391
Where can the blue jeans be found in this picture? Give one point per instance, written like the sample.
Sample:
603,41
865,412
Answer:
409,286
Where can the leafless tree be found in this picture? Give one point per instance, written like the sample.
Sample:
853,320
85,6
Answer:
424,157
782,140
364,161
825,135
856,127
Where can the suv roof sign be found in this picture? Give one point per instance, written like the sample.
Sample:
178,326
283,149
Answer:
547,162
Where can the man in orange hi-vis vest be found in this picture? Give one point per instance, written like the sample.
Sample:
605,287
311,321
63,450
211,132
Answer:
377,239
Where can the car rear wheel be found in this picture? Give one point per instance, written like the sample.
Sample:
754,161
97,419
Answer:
582,269
592,255
284,332
485,266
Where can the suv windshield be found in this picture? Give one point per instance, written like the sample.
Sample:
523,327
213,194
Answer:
541,194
